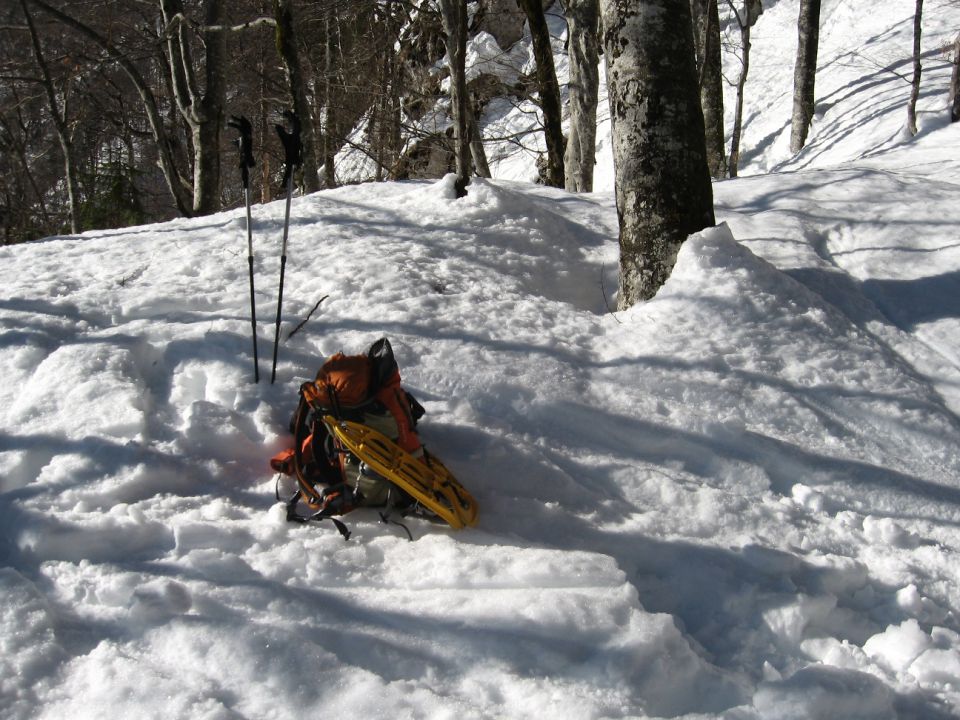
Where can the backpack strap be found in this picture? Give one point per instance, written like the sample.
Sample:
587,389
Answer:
301,431
323,514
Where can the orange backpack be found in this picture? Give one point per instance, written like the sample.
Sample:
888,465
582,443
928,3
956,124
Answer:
348,387
346,379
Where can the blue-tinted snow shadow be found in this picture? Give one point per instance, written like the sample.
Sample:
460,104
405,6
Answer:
536,493
905,304
909,303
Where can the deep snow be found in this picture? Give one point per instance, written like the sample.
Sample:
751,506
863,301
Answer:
740,499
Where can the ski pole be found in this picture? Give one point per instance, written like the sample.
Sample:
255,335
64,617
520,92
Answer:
293,158
244,144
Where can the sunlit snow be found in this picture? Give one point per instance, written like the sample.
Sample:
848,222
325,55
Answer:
738,500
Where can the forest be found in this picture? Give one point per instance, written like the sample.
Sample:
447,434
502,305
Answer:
117,114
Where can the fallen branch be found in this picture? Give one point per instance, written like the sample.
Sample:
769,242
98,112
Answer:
309,314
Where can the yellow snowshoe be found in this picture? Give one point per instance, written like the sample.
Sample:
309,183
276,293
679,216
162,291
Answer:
426,480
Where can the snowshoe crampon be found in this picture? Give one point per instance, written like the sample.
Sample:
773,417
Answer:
426,481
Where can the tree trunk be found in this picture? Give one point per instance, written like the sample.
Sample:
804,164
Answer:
805,73
477,152
955,82
584,55
266,59
454,16
59,122
386,115
201,108
329,168
752,9
915,83
709,69
734,165
549,90
206,132
287,47
663,188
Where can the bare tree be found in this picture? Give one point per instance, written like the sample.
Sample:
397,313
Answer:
59,115
548,89
583,41
805,73
329,123
178,186
746,19
454,16
955,82
287,24
917,69
663,188
706,23
201,105
477,153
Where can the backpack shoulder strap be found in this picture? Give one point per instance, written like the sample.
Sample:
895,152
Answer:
301,431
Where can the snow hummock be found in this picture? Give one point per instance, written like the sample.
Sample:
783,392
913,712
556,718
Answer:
738,500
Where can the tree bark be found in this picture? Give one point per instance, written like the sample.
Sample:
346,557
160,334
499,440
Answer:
201,108
917,70
583,40
549,90
706,19
663,188
287,47
733,166
59,122
955,82
454,16
805,73
477,152
329,168
752,9
207,151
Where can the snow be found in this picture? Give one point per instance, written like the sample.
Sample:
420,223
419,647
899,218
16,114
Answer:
738,500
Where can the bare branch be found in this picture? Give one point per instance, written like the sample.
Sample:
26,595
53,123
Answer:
180,19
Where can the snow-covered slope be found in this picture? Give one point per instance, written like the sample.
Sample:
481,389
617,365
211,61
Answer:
740,499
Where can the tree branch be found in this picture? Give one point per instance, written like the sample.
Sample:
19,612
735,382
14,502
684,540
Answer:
181,19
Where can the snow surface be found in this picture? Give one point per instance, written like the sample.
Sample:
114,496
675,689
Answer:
738,500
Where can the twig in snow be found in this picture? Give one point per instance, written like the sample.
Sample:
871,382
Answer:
304,321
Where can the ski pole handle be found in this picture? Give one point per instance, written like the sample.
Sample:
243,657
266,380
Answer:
244,144
292,146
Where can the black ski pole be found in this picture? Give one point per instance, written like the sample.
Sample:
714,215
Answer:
244,144
293,158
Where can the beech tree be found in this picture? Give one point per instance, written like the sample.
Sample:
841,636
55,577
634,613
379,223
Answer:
746,19
548,90
286,34
955,82
200,104
706,25
479,155
583,50
454,16
663,189
917,69
58,113
805,73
